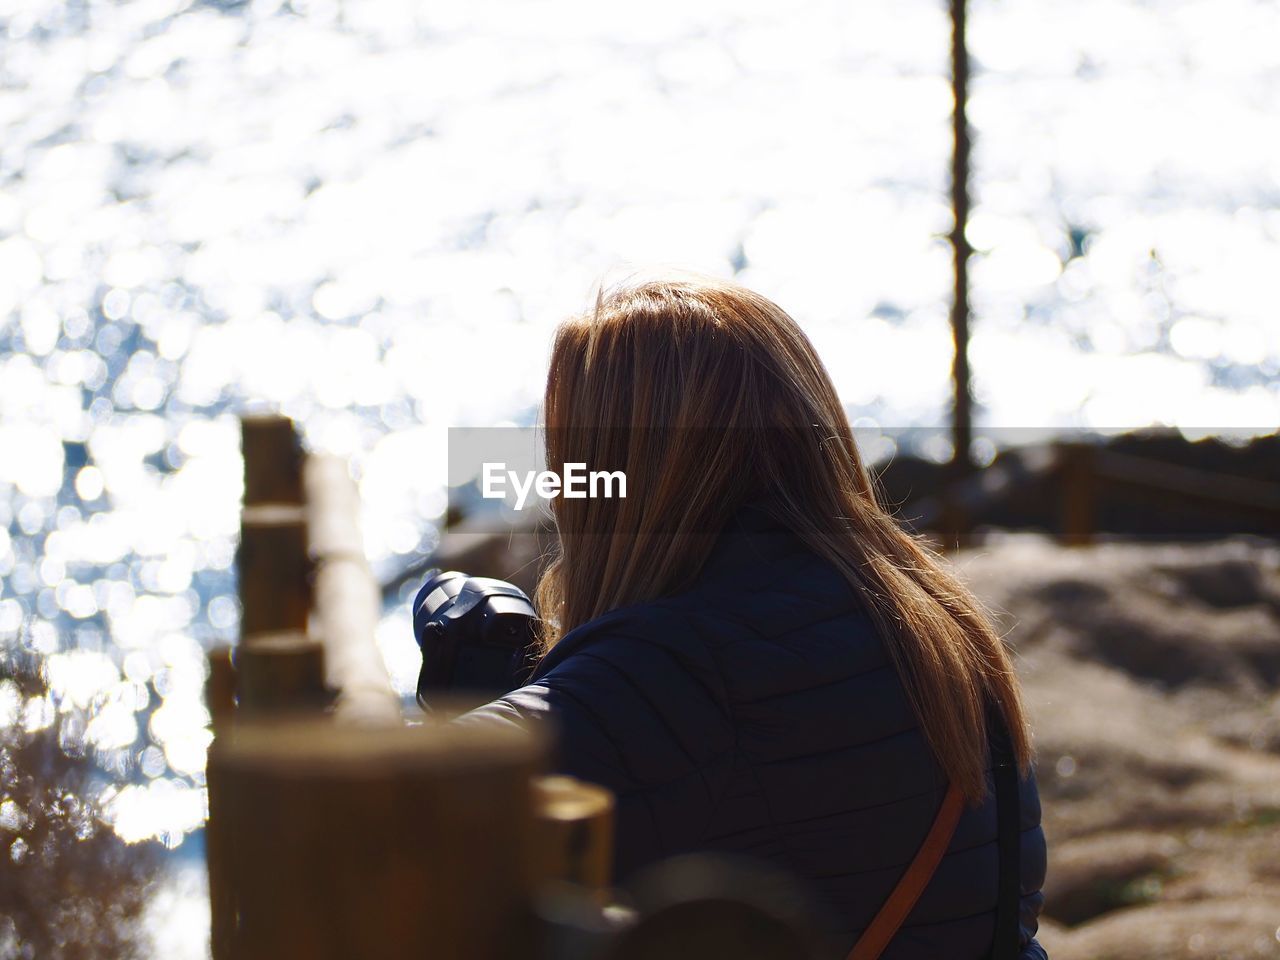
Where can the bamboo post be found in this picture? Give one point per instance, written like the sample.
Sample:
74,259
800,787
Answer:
575,832
272,460
220,696
273,569
281,671
348,601
277,666
217,854
954,522
393,842
220,688
1079,493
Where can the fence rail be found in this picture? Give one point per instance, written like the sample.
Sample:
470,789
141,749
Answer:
338,827
1079,476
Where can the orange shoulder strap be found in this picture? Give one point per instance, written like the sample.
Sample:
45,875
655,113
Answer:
895,910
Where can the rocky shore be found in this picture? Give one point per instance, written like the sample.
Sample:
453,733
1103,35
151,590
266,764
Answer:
1153,676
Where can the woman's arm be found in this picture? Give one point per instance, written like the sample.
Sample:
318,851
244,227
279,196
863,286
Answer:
636,711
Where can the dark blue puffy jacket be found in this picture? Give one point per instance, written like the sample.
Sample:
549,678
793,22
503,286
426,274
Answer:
757,713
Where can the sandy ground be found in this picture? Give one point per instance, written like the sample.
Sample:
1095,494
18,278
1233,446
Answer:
1153,675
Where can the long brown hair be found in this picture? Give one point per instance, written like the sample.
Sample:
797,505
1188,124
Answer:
637,382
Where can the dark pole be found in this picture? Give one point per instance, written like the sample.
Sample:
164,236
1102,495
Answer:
962,402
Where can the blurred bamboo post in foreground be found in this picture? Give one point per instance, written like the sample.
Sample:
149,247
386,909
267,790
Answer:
575,833
348,601
275,666
279,666
390,843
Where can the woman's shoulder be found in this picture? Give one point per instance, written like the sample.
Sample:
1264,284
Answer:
760,585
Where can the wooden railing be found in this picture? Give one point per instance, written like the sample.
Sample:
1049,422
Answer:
1079,476
338,826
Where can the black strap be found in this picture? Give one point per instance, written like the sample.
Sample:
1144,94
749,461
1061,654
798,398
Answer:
1007,945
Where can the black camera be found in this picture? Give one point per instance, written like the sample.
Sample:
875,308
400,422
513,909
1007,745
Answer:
476,634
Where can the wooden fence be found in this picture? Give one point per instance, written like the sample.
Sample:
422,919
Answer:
338,826
1073,479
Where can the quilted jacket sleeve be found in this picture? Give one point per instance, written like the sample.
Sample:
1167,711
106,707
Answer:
635,709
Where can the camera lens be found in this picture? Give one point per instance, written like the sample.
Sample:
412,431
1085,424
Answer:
475,633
